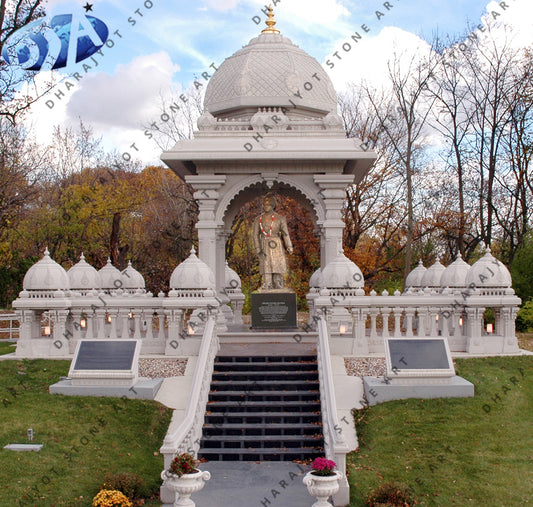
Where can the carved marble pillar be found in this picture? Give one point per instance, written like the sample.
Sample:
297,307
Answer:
59,346
332,192
175,327
360,341
409,316
206,192
474,325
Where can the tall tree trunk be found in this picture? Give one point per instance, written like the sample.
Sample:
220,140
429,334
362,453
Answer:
114,251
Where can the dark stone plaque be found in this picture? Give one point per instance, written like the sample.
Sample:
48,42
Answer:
274,310
418,354
105,355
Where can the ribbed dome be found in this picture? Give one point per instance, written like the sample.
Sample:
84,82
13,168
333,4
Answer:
314,281
269,71
132,278
232,280
342,273
454,275
46,274
110,277
488,272
414,278
192,273
431,278
83,276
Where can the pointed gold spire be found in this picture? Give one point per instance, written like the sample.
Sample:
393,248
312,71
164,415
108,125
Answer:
271,22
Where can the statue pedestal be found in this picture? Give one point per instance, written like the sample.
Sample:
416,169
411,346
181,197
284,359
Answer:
274,309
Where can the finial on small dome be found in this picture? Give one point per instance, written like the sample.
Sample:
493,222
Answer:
488,250
193,250
271,22
420,263
46,252
82,257
129,264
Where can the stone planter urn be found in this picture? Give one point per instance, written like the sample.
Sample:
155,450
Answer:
185,486
322,486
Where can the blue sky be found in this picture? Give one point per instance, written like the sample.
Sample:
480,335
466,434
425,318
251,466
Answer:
197,33
173,42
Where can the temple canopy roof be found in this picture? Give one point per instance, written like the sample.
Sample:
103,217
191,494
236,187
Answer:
270,71
270,104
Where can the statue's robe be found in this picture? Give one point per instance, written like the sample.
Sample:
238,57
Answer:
270,247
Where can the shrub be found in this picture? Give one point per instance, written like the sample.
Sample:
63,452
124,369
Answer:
132,485
521,269
524,319
111,498
391,494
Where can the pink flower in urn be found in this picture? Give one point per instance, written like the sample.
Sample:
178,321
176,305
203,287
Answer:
323,466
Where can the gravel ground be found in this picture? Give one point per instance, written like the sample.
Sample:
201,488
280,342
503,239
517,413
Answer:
365,366
157,368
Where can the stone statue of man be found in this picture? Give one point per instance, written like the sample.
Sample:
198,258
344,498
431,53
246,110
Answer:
271,238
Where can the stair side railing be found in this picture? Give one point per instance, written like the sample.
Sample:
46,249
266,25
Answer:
186,437
335,445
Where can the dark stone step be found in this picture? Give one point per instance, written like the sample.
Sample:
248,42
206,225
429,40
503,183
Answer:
253,407
266,367
263,408
257,386
241,376
269,454
265,396
273,429
280,417
260,441
265,359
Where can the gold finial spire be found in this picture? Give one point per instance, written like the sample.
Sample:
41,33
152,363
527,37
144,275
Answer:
271,22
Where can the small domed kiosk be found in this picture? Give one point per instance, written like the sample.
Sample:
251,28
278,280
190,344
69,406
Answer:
133,281
414,278
83,277
42,310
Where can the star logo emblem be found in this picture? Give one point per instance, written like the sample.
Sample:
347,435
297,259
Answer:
88,7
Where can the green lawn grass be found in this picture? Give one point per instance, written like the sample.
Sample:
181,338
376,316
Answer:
7,347
472,451
83,437
462,451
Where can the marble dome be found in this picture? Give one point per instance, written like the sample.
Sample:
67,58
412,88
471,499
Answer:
342,273
454,275
414,278
83,276
192,273
232,279
268,72
315,279
110,277
488,272
132,279
46,275
431,278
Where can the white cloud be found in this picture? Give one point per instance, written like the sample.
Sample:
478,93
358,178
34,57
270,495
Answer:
322,12
518,15
368,59
302,13
222,5
127,98
43,118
